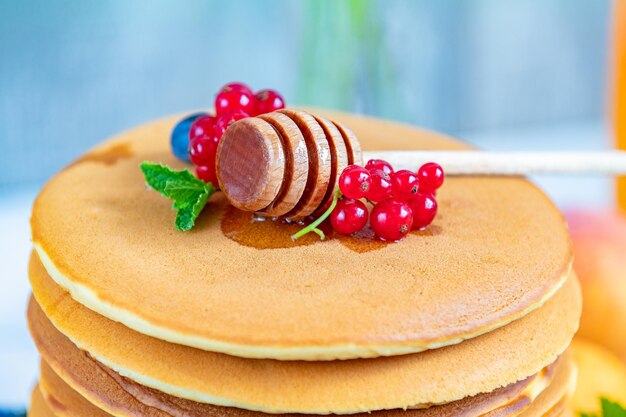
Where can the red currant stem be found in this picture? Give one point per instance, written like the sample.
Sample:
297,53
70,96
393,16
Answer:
313,226
319,233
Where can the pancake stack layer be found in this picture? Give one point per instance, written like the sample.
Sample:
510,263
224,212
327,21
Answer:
470,317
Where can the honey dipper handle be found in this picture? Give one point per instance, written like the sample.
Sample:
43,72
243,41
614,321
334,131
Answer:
508,163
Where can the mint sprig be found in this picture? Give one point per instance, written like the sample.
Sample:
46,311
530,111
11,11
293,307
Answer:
609,409
188,192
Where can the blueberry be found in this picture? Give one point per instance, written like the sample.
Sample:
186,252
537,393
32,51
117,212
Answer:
180,136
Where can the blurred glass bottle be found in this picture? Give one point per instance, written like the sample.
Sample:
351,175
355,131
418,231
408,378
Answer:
619,27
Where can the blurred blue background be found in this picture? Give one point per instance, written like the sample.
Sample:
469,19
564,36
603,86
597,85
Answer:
518,74
75,72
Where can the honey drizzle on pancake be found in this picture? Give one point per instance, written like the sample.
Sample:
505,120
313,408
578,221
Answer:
252,231
249,230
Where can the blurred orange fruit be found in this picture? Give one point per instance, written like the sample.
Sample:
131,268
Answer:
600,374
600,251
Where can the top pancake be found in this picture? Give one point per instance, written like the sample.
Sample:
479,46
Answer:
497,250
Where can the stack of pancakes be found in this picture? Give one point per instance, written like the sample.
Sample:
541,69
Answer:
471,317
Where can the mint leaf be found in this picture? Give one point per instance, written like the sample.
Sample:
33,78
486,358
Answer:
160,176
609,409
612,409
188,192
183,193
186,216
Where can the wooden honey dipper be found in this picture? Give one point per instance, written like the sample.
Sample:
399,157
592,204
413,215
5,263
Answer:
287,163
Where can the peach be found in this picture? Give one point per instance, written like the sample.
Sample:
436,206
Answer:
600,250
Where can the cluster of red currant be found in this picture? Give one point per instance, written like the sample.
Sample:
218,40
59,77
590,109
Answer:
403,200
234,101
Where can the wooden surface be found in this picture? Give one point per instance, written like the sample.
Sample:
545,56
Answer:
339,160
319,163
313,151
296,164
250,183
353,146
284,163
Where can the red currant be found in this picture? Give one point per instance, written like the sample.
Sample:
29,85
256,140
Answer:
391,220
354,182
230,100
349,216
207,173
430,177
237,86
226,120
424,208
374,164
380,186
202,150
202,126
266,101
404,184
